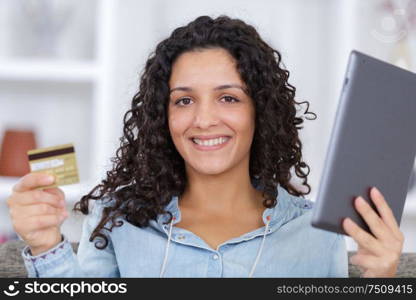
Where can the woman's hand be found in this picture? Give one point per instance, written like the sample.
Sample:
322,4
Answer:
37,214
378,255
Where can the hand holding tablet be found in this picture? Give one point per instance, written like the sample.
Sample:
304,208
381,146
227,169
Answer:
372,145
378,255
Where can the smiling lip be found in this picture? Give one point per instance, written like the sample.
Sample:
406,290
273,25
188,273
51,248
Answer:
211,148
208,137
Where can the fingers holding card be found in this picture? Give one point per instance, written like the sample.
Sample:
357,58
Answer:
59,161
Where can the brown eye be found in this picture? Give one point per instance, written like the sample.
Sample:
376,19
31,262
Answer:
230,99
185,101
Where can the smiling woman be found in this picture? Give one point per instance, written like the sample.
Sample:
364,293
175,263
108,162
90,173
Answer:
201,184
198,85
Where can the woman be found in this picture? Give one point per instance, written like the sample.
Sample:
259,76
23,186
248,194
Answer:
201,183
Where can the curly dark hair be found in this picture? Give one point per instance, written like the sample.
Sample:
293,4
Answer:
148,170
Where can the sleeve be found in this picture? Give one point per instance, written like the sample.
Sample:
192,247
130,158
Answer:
338,266
61,261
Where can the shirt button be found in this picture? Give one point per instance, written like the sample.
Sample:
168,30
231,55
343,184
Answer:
215,256
181,237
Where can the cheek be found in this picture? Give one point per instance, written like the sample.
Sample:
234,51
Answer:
178,123
242,123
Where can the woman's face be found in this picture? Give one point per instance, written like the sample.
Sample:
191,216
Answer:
211,117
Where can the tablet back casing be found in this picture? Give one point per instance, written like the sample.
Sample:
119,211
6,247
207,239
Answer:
373,142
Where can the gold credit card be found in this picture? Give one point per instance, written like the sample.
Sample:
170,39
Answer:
59,161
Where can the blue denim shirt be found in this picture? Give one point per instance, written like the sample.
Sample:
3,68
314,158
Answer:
287,246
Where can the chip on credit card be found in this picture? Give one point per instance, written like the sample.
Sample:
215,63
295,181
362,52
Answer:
59,161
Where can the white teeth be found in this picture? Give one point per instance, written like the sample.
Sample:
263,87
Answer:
212,142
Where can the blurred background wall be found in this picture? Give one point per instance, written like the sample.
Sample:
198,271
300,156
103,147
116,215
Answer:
68,70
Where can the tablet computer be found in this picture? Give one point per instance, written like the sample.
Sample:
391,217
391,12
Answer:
372,143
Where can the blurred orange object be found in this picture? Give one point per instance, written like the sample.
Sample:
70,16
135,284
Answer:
13,155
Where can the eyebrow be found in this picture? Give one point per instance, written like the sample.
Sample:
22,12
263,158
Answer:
220,87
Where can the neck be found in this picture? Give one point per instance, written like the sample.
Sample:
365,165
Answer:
221,194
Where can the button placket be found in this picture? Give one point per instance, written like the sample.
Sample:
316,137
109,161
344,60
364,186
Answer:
215,265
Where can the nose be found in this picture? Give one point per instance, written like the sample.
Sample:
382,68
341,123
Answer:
206,115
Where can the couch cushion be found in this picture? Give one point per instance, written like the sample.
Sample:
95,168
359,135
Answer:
407,266
11,260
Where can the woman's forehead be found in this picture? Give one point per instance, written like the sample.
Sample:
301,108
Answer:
212,67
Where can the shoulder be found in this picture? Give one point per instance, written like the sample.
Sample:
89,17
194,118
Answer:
302,203
97,206
298,215
294,201
318,242
291,206
322,241
96,210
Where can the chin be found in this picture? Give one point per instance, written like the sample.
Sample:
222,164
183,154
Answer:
210,169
